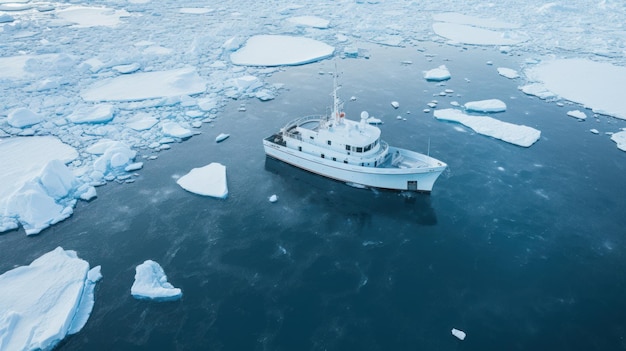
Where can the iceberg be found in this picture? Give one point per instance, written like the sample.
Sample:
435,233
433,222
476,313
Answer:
209,180
45,301
491,105
151,283
511,133
280,50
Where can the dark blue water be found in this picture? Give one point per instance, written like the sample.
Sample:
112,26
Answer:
523,249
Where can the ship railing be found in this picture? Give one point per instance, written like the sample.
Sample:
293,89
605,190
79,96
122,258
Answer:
289,128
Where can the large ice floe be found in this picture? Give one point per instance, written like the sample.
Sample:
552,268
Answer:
475,30
280,50
151,283
43,302
511,133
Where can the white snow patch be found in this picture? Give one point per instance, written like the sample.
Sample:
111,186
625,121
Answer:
511,133
279,50
209,180
151,283
43,302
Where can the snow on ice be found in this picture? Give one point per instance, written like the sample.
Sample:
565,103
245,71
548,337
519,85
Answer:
577,114
43,302
511,133
280,50
209,180
151,283
508,73
491,105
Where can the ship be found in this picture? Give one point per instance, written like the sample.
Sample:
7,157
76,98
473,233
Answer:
351,151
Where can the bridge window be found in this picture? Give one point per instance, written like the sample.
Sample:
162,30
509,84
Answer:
348,147
328,142
359,149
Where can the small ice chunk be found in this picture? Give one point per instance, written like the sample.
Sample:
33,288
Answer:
173,129
209,180
151,283
125,69
134,167
508,73
395,104
221,137
491,105
101,113
458,333
577,114
23,117
437,74
594,131
142,121
273,198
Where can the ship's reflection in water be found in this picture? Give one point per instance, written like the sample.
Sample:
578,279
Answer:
351,200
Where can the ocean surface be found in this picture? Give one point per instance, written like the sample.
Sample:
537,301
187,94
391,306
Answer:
521,248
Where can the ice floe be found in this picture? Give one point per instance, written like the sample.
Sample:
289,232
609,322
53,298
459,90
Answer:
577,114
92,16
477,31
221,137
273,198
310,21
508,72
151,283
209,180
459,334
23,117
620,139
280,50
511,133
491,105
45,301
147,85
597,85
438,74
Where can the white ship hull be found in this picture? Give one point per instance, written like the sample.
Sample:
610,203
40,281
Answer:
417,172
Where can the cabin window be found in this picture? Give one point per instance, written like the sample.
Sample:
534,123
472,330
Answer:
322,155
328,142
345,161
348,147
359,149
375,163
334,159
368,148
311,137
299,148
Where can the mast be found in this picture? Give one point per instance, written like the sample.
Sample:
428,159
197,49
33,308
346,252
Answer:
337,114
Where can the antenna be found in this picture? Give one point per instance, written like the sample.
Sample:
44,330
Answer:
428,154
